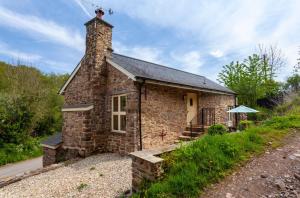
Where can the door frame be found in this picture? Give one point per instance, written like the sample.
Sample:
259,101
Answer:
192,104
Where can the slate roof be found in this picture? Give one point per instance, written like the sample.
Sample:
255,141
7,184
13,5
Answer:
53,140
152,71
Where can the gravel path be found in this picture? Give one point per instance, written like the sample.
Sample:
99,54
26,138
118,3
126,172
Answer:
104,175
272,175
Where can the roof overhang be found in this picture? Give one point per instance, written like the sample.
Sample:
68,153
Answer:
121,69
77,108
62,90
149,81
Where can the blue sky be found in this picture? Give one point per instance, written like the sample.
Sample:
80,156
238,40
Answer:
199,36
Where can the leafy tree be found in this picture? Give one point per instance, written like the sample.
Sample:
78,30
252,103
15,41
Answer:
15,120
252,79
38,91
293,82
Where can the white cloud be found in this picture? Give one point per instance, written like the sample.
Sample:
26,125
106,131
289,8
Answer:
234,26
18,55
217,53
189,61
40,27
150,54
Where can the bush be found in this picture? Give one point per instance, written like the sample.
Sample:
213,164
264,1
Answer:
217,129
10,152
15,120
245,124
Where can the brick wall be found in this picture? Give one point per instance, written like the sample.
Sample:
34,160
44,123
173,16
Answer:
163,111
217,101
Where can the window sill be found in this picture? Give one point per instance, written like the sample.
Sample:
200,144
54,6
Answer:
119,132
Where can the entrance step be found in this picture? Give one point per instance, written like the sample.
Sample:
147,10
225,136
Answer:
193,134
186,138
197,128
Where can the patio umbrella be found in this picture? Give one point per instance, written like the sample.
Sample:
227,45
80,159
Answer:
242,109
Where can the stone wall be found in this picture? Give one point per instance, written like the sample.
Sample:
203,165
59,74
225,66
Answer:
147,164
52,155
219,102
77,133
82,132
163,115
118,84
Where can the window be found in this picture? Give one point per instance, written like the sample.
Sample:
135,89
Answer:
119,113
191,102
229,114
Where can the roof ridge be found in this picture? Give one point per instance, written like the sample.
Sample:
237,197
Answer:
161,65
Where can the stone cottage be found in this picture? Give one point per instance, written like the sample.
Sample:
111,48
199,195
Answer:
115,103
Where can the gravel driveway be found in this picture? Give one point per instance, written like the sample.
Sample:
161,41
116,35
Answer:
104,175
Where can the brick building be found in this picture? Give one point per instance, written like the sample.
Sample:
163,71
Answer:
115,103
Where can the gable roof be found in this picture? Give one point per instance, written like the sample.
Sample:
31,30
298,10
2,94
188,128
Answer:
140,69
152,71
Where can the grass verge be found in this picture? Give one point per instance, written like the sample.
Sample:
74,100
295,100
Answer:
10,153
191,168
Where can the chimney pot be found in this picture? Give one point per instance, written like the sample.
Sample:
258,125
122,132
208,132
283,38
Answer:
99,12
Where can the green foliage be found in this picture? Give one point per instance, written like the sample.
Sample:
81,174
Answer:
283,122
293,82
29,107
217,129
15,121
10,152
81,187
205,161
263,114
251,80
245,124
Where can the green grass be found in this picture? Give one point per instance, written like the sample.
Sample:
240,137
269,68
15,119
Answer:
81,187
191,168
10,153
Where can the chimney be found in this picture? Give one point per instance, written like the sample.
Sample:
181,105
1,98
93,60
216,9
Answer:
100,13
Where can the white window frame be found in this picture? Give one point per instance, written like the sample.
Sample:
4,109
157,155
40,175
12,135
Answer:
118,113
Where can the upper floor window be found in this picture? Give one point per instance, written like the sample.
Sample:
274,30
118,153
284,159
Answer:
119,113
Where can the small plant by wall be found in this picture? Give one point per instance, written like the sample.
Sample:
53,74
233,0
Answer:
217,129
245,124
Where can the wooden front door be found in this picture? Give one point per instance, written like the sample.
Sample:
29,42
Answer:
191,105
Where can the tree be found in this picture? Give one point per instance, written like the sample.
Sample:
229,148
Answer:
293,82
273,56
252,79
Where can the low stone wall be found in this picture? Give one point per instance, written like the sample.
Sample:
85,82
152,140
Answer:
52,155
147,165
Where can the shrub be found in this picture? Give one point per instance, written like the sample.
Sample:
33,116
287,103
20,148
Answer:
10,152
245,124
217,129
284,122
15,120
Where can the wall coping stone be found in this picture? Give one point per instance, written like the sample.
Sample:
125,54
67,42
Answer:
150,155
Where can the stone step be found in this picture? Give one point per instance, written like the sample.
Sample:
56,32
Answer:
193,134
186,138
196,128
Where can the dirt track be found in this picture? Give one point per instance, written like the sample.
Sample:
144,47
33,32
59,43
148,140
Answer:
274,174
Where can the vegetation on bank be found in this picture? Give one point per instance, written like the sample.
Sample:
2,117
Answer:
29,110
191,168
